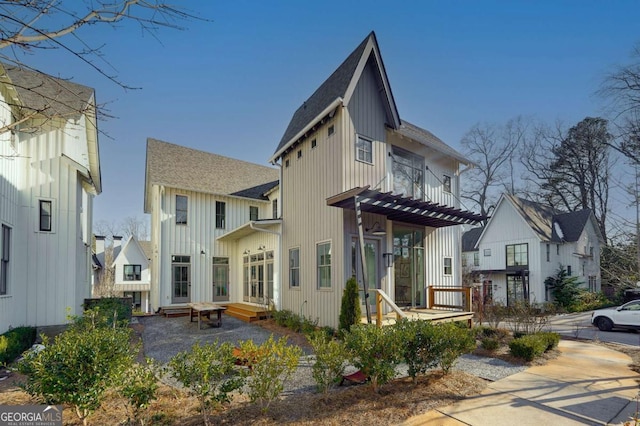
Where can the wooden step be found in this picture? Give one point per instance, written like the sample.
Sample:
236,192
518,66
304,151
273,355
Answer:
246,312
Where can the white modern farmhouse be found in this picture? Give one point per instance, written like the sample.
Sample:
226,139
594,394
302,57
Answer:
49,174
227,230
525,242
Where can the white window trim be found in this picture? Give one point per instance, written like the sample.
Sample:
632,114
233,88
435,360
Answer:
357,151
330,288
291,287
444,266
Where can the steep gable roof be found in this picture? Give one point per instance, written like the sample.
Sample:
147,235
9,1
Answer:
541,220
131,244
470,239
189,169
336,89
146,248
49,96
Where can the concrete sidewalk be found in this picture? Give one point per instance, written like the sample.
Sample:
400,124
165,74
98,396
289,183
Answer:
587,384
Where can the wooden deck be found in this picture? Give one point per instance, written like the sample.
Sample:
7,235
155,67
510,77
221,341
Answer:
179,310
433,315
246,312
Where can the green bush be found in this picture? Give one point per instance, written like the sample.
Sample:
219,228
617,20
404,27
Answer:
350,312
139,385
375,351
330,360
551,339
418,346
528,347
295,322
14,342
78,367
281,317
490,343
565,289
209,372
111,308
272,363
452,340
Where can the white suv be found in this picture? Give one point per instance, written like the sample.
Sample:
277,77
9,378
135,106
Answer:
625,316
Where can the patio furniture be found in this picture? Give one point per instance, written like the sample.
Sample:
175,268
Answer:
204,309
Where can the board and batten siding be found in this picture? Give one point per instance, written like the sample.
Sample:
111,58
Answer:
307,220
197,236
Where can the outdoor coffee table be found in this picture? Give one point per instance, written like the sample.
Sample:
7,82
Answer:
204,309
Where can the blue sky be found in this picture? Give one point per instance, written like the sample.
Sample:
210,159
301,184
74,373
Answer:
230,86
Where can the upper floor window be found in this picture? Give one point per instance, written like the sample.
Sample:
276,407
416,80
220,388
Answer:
476,258
294,267
487,252
45,215
557,249
446,183
408,176
182,209
569,270
132,272
364,150
253,213
314,143
464,261
518,255
220,214
5,250
548,252
274,207
448,266
323,251
331,130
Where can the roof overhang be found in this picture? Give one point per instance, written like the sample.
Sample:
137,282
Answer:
249,228
404,209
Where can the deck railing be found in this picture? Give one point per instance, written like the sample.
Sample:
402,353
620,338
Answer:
380,297
466,298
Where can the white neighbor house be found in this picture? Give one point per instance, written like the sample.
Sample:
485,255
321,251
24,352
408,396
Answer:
525,242
49,174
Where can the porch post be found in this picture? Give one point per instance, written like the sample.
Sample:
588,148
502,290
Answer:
363,259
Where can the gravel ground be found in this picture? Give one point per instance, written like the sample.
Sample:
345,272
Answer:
164,337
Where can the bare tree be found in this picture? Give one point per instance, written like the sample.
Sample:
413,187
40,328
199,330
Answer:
622,89
29,26
136,226
491,147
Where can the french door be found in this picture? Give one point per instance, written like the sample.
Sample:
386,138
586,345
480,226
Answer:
220,279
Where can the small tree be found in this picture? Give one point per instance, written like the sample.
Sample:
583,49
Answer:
451,340
376,351
329,362
209,372
139,386
79,366
564,289
350,312
272,363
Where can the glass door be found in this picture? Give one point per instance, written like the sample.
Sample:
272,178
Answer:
220,279
373,276
181,278
408,266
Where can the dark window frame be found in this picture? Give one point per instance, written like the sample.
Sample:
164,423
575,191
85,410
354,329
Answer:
274,208
221,215
5,257
45,219
135,273
516,256
182,212
254,212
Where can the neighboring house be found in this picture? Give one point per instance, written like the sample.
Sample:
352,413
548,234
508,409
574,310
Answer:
132,272
49,174
227,230
525,242
214,227
345,148
470,255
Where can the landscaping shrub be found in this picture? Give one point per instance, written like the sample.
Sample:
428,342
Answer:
295,322
528,347
330,360
490,343
375,351
350,312
272,363
418,346
552,339
564,289
494,313
14,342
139,385
112,308
209,372
281,317
452,340
528,317
78,367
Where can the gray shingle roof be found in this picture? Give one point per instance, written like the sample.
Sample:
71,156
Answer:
333,87
146,248
470,238
257,192
541,219
51,96
189,169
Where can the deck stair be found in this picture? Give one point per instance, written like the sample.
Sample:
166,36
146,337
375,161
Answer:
246,312
181,310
